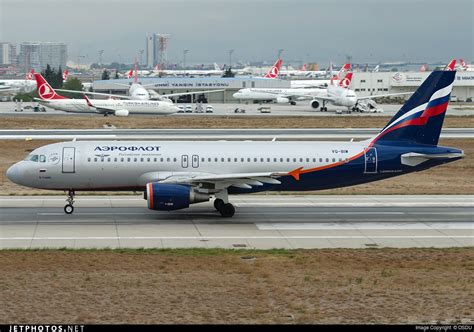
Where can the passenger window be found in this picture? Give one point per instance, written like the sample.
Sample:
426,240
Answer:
88,160
314,160
255,160
141,159
242,159
42,159
122,159
268,160
115,160
216,160
108,159
248,160
327,160
203,160
209,159
161,160
287,160
235,160
301,160
320,160
281,160
307,160
294,160
128,159
135,160
95,159
222,159
333,159
229,160
174,159
168,159
155,159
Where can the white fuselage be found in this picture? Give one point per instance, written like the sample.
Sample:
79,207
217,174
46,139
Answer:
132,106
342,96
128,164
275,94
21,85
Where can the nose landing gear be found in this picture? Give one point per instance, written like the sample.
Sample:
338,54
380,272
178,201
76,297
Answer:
69,208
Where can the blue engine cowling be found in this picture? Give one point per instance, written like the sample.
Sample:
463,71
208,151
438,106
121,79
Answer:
163,196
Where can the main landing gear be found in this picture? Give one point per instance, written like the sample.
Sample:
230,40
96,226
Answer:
221,203
69,208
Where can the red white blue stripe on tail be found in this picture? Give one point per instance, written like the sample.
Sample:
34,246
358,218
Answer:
421,118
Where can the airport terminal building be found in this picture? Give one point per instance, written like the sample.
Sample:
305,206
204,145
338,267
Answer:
168,85
376,83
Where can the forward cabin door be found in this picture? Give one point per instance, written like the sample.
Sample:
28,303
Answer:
69,160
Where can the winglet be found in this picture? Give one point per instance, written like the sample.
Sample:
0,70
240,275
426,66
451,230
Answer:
296,173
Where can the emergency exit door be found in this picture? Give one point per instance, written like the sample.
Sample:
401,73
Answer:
184,161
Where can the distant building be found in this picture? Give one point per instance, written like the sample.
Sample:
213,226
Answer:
36,55
7,54
151,50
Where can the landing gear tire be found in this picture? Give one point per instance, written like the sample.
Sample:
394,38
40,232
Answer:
68,209
227,210
218,203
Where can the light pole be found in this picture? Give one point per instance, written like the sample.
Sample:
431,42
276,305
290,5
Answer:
141,56
100,57
230,57
280,51
184,60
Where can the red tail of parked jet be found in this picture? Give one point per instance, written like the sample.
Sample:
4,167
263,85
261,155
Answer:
65,74
30,75
275,70
451,66
346,81
45,91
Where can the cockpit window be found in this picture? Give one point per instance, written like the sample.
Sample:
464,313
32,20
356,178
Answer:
42,158
32,157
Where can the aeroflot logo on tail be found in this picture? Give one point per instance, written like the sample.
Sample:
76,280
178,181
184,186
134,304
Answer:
127,148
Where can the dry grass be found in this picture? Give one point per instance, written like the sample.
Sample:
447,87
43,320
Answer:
97,122
453,178
218,286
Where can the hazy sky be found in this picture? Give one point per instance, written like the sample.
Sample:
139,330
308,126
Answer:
308,30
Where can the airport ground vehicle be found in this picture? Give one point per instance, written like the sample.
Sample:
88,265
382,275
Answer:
209,109
264,109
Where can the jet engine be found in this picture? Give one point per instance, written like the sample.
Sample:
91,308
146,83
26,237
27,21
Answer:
166,197
121,113
315,104
282,100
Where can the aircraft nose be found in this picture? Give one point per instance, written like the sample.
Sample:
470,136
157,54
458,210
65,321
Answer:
237,95
12,173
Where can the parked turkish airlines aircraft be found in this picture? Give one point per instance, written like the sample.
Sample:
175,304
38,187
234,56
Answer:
322,83
341,95
464,66
49,98
175,174
16,86
291,95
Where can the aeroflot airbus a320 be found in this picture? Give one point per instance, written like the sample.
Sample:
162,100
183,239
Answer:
174,175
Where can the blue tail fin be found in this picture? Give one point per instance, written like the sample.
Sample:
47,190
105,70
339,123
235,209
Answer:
421,118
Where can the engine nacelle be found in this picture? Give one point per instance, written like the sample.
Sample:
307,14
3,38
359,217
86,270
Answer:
121,113
166,197
315,104
282,100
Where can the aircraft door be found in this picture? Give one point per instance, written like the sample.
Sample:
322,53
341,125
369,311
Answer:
370,161
69,160
184,161
195,161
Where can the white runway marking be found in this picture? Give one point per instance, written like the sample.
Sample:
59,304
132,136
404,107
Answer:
365,226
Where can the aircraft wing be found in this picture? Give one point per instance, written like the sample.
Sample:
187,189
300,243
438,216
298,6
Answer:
385,95
94,93
222,181
99,109
319,98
